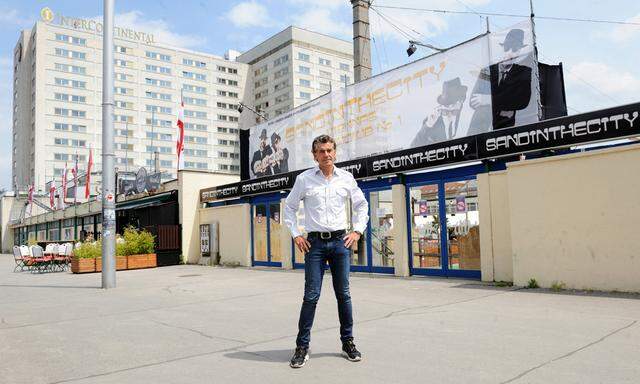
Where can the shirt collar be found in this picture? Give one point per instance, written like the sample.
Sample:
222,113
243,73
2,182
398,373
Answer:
317,170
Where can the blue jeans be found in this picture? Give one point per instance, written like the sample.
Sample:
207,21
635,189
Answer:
338,256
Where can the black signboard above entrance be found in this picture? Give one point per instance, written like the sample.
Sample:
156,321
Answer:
584,128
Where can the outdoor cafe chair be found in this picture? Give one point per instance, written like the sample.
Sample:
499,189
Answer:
19,259
39,261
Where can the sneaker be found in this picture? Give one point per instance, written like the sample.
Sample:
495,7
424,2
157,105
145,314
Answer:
300,357
350,352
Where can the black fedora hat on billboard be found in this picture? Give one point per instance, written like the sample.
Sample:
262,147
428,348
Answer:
452,91
514,40
263,134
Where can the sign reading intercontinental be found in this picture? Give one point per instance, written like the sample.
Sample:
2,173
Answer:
487,83
94,26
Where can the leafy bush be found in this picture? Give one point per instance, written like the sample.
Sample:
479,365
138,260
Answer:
88,250
533,283
136,242
132,243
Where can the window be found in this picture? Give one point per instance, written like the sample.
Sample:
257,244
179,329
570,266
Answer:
155,148
71,98
71,39
262,94
281,60
305,95
121,49
197,114
70,112
195,152
234,168
233,71
71,83
221,105
195,139
158,122
123,91
166,163
70,68
123,118
326,62
158,82
195,101
72,127
156,95
260,70
223,142
281,85
159,136
123,63
223,155
194,63
156,108
157,56
345,79
233,95
193,75
195,127
344,67
305,83
222,130
124,104
303,56
325,74
260,82
233,83
195,88
281,98
303,69
158,69
61,156
123,77
325,86
70,54
278,74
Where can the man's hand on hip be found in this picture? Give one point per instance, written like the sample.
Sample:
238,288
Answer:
302,244
351,239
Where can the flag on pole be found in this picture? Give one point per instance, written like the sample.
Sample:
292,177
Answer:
63,195
87,187
30,199
180,140
74,171
52,194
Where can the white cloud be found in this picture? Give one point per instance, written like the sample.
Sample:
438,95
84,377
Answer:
12,17
607,79
321,20
160,29
249,14
624,33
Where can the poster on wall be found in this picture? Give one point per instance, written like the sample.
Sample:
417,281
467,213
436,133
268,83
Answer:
484,84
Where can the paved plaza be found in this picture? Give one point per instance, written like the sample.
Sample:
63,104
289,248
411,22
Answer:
195,324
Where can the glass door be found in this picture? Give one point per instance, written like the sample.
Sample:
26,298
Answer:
426,250
267,226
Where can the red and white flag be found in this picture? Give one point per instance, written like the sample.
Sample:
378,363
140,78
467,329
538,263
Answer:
180,139
30,199
52,194
87,187
74,171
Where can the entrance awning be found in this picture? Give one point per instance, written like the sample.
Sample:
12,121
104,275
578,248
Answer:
149,201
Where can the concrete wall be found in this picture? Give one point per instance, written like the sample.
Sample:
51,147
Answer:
575,220
189,185
495,227
234,223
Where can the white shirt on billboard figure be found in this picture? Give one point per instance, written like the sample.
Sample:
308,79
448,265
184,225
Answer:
442,123
260,163
505,90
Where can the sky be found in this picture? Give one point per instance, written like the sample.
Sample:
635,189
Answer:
600,60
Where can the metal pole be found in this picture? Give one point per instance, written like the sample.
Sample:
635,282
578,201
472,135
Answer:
153,122
108,187
536,71
126,146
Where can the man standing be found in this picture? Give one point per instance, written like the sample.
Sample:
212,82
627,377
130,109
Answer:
505,89
324,190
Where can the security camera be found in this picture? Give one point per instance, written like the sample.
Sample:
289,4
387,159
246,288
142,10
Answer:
411,50
240,108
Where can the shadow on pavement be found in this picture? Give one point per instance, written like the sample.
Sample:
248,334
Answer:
274,356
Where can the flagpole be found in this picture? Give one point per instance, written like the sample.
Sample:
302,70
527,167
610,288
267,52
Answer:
108,177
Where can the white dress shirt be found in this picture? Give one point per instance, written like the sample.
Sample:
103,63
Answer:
324,202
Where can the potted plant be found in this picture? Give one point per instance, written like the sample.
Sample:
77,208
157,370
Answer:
84,258
138,246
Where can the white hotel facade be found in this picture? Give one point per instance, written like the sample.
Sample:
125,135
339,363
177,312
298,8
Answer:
57,112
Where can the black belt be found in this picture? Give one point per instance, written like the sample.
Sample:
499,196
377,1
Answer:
328,235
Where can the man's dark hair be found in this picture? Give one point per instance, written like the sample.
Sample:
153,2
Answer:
322,139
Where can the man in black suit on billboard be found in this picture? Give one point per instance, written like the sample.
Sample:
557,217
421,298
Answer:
260,162
508,88
280,156
442,123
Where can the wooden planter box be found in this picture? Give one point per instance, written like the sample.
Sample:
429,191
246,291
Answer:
122,263
83,265
142,261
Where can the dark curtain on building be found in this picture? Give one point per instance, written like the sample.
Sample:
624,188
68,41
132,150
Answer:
552,95
244,150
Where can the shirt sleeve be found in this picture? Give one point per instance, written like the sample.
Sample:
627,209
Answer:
291,205
360,207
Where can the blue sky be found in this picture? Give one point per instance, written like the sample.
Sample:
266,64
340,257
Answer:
600,60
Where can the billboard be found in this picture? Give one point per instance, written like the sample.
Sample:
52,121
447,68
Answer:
486,83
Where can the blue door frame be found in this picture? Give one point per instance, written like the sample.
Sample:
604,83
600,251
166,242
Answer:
267,200
439,178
